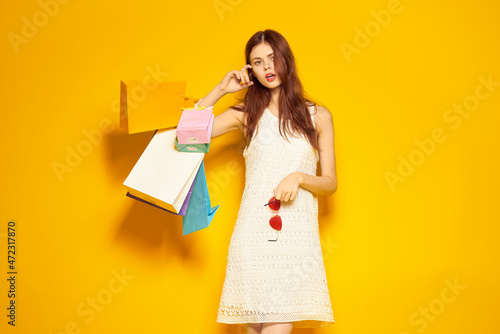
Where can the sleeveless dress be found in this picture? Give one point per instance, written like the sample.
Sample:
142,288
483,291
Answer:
283,280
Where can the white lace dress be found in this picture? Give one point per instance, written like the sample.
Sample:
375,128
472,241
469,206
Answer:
283,280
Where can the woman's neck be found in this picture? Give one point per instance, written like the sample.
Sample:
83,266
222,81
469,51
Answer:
275,94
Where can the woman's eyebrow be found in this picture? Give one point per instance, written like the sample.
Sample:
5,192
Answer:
261,58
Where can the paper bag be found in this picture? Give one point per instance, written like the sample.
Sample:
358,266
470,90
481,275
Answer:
195,126
182,211
199,213
163,176
192,147
147,107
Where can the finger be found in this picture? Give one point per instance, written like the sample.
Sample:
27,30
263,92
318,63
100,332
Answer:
244,76
287,197
278,195
234,73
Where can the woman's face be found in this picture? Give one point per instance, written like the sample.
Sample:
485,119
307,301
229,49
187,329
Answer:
262,61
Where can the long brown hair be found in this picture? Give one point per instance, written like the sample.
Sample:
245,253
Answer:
293,113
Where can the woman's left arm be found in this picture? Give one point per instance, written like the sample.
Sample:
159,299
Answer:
324,184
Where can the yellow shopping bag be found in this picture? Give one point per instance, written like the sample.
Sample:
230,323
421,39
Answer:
151,107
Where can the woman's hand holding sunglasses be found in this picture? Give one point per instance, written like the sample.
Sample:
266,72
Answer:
288,188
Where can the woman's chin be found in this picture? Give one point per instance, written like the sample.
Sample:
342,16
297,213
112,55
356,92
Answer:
272,84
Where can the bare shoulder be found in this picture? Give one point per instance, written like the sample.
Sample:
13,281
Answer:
323,117
323,113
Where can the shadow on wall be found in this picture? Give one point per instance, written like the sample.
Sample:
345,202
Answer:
156,236
150,233
122,152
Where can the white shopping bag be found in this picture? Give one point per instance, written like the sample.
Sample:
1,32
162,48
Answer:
163,175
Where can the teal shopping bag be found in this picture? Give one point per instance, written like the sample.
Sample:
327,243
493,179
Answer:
192,147
199,212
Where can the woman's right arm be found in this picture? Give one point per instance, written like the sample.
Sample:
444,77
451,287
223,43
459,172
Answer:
230,119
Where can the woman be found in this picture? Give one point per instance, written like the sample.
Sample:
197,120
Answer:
275,276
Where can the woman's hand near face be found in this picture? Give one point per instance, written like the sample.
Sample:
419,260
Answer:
236,80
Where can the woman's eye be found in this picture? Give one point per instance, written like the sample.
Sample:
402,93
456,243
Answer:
257,62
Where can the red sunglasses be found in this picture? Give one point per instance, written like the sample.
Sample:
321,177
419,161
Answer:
275,220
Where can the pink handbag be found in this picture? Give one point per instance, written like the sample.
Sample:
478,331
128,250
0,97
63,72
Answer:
195,126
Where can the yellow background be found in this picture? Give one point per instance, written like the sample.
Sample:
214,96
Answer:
390,252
